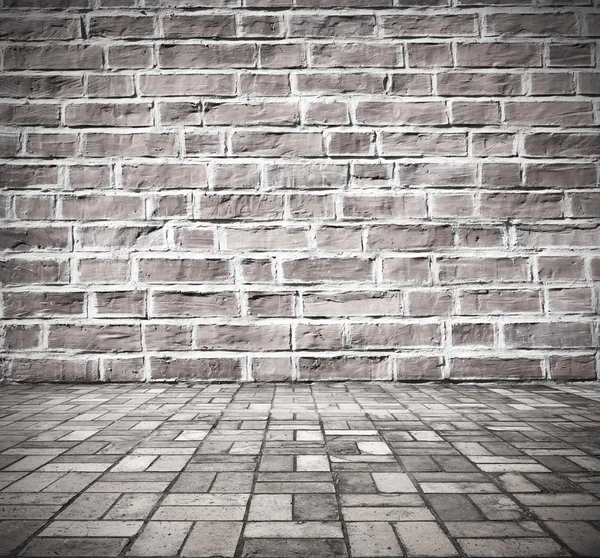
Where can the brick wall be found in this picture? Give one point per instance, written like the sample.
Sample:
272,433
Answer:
300,189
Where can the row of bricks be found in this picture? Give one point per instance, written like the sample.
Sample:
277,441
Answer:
312,368
398,270
220,55
413,302
302,24
486,206
278,4
380,238
192,175
280,84
383,113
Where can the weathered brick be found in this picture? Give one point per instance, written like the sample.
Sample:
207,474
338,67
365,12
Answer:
261,26
168,85
205,26
47,304
199,368
99,270
264,85
392,113
495,368
409,237
251,114
123,369
21,337
572,368
585,204
429,25
332,83
282,55
414,144
493,144
83,177
570,56
451,205
210,55
27,239
168,337
562,145
558,235
576,300
429,55
204,143
343,368
499,55
406,270
406,84
234,337
478,84
552,84
29,115
332,238
313,176
550,113
193,304
316,270
474,334
120,303
437,174
54,370
481,270
538,24
271,305
53,57
344,144
91,208
121,27
589,83
240,206
95,338
18,28
319,336
560,268
475,112
158,270
358,303
394,335
267,239
312,25
429,302
277,144
109,237
51,145
561,175
108,114
505,301
42,86
420,368
164,176
129,57
384,207
271,369
345,55
552,335
141,144
521,205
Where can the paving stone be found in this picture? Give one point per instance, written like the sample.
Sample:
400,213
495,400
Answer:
372,539
513,548
293,529
424,538
579,536
270,507
294,548
393,482
213,538
160,538
314,507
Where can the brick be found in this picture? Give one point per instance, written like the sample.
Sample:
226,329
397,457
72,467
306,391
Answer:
390,113
312,25
585,205
216,369
395,335
493,144
38,29
103,270
251,114
542,335
476,334
214,55
194,239
429,55
107,237
180,270
560,268
570,300
506,301
406,270
29,115
54,370
21,337
522,206
346,144
51,145
192,304
48,304
129,57
332,83
339,238
122,27
490,368
9,145
478,84
105,114
53,57
452,205
552,84
312,176
359,303
120,303
277,144
409,237
261,25
34,207
34,238
242,337
570,56
186,113
168,85
271,369
572,368
235,176
318,336
206,26
25,176
141,144
88,208
123,370
407,144
429,303
355,55
327,270
168,337
406,84
240,206
164,176
83,177
436,174
477,270
561,175
43,86
267,85
267,239
550,113
95,338
270,305
430,25
475,112
539,24
562,145
498,55
588,83
282,55
204,143
418,368
557,235
339,368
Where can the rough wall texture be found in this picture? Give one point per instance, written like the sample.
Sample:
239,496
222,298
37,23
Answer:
300,189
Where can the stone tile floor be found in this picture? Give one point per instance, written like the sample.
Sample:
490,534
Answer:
360,470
